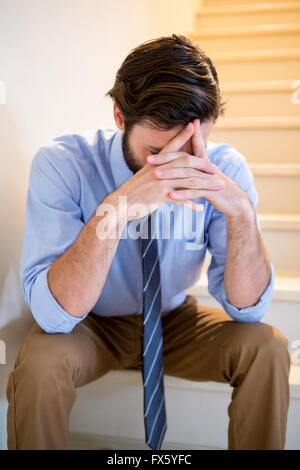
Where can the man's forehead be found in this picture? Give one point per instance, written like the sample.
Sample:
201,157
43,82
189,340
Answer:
156,139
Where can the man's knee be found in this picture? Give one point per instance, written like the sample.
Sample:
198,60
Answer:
257,337
44,354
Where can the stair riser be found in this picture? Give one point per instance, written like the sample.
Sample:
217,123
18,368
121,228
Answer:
285,317
196,417
278,194
275,41
261,104
210,427
284,249
281,146
258,70
223,21
214,3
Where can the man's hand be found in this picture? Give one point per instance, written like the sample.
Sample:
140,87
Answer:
147,188
190,173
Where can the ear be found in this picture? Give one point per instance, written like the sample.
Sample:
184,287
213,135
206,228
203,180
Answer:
119,118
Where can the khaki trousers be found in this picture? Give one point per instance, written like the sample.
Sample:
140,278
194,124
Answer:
199,343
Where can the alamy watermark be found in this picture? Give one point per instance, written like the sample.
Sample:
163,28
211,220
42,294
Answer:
294,348
2,352
174,222
296,93
2,92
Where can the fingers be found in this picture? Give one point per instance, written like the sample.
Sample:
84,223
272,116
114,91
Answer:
190,204
183,194
195,183
180,139
197,141
169,172
182,159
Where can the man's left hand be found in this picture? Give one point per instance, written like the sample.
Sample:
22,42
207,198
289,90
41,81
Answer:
229,198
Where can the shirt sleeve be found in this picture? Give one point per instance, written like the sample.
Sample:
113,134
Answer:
52,224
217,240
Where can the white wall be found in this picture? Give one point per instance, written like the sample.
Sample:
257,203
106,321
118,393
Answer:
57,59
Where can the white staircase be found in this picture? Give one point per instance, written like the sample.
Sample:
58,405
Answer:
255,46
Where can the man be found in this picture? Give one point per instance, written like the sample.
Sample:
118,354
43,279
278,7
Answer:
102,301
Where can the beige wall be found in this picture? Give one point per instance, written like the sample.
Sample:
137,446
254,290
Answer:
57,59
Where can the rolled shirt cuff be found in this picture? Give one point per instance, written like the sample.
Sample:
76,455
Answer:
48,313
252,313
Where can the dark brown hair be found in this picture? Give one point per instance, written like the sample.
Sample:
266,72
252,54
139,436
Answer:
167,82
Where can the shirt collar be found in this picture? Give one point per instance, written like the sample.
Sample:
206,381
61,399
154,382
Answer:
120,171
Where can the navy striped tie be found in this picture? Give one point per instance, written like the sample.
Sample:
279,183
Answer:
153,375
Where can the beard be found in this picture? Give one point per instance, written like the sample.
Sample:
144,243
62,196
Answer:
129,157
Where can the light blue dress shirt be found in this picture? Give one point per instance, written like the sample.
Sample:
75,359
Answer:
69,178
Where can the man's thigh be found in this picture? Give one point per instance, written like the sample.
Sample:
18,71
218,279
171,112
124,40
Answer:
205,344
93,347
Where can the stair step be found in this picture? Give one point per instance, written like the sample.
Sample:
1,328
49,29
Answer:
248,14
275,169
197,413
282,241
283,247
88,441
247,31
257,104
284,54
240,38
280,222
259,123
249,8
217,3
252,98
286,289
278,193
258,86
263,146
267,64
133,376
249,70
